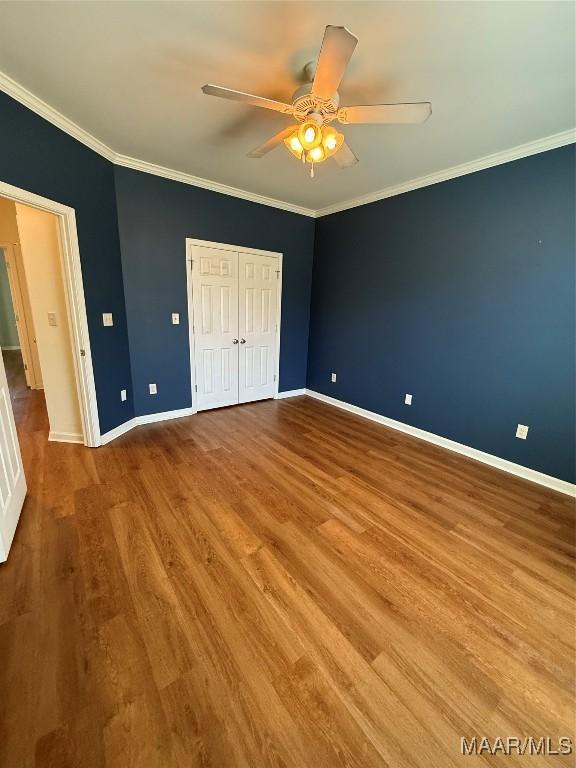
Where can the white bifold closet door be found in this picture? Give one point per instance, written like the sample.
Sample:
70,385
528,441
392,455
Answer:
235,307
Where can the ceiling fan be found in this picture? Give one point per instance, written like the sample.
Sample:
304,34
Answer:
316,105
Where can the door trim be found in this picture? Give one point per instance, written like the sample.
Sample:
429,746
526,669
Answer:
190,244
75,304
21,303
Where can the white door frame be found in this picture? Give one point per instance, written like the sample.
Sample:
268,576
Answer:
75,304
24,323
190,243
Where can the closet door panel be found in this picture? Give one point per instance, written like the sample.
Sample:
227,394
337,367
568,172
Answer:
258,303
215,300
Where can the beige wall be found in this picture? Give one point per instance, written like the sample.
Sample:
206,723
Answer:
38,232
19,292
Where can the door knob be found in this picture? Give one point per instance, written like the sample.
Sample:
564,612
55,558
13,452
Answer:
242,341
234,341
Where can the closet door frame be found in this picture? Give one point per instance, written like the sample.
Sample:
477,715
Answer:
190,245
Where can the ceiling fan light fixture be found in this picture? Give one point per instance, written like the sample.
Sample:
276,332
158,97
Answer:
310,134
316,155
332,140
293,145
317,103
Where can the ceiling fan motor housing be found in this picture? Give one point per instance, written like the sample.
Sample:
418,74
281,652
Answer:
309,107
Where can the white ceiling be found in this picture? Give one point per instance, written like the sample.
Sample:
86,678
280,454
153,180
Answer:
498,74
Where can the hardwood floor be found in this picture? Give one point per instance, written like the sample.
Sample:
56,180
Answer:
279,584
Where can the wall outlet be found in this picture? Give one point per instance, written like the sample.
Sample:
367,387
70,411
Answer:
52,319
333,377
123,395
107,319
408,399
153,389
175,318
522,431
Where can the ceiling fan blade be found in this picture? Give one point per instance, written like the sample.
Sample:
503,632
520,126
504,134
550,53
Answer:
386,113
345,157
272,143
337,48
246,98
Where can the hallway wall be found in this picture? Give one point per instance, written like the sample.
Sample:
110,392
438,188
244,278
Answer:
40,248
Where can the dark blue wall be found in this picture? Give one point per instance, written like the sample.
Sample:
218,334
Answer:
155,217
37,157
462,294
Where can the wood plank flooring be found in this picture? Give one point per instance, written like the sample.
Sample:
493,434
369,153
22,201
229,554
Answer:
279,584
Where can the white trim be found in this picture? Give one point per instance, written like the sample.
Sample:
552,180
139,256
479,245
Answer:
28,99
190,244
213,186
65,437
151,418
486,458
75,304
138,421
228,247
189,309
10,349
488,161
278,324
121,429
290,393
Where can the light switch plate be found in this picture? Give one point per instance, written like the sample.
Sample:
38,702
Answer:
123,395
522,431
175,318
333,378
107,319
153,389
408,399
52,319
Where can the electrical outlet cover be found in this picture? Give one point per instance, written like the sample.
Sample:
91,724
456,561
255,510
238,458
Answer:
408,399
153,389
522,431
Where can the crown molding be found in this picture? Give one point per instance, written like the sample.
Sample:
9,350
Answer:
214,186
35,104
488,161
28,99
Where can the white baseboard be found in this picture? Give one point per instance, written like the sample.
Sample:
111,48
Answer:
137,421
290,393
486,458
150,418
65,437
10,349
121,429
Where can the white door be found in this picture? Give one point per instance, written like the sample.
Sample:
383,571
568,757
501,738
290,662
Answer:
215,319
258,312
12,480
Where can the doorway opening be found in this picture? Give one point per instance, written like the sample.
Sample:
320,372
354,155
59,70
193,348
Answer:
39,250
234,311
36,300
